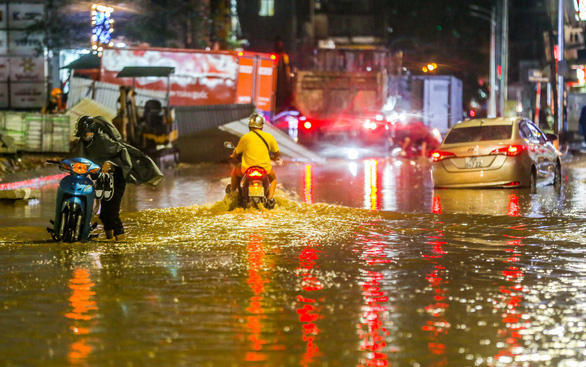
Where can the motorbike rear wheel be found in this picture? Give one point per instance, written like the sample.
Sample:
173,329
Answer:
256,201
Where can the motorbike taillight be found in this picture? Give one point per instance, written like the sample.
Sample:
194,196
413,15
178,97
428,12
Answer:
256,172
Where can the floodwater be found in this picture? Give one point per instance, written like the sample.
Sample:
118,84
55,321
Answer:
360,264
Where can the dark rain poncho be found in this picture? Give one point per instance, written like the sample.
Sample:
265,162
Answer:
137,167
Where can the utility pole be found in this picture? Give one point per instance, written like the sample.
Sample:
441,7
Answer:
504,56
493,86
560,106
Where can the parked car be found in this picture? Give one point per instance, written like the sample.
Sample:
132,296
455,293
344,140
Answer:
497,152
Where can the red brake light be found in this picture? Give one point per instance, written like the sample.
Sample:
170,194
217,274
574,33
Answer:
510,150
307,125
437,155
256,172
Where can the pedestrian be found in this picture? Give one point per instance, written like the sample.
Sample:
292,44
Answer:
582,122
100,142
55,104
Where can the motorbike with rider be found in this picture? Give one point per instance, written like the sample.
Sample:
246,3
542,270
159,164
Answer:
256,149
101,143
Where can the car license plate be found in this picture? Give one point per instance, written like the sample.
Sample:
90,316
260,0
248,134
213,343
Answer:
473,162
257,191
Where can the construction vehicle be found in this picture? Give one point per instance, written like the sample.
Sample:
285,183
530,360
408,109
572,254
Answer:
154,132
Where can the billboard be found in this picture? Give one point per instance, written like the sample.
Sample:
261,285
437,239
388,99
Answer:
3,94
21,43
266,85
3,16
26,68
257,80
200,77
4,68
27,95
22,15
3,42
245,80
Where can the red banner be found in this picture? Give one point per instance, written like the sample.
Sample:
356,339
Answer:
200,77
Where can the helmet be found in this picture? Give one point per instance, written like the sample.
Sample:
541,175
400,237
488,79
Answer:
85,124
55,92
256,121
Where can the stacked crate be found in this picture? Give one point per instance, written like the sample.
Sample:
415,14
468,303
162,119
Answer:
11,125
46,133
34,132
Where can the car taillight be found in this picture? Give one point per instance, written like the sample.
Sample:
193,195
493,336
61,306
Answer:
256,172
437,155
510,150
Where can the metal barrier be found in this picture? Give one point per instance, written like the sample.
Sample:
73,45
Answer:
108,94
192,119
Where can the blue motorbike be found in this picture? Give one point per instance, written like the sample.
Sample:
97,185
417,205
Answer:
75,200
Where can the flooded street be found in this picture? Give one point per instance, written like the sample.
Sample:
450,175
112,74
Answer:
361,263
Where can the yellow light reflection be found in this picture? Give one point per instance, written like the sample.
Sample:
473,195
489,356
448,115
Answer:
370,185
308,191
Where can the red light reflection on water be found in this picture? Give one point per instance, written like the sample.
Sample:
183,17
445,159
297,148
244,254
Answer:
256,254
511,297
514,209
309,311
372,330
437,326
83,311
436,205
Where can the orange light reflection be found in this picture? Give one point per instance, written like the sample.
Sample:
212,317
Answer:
83,311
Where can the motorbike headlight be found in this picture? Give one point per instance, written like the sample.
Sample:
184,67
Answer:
79,168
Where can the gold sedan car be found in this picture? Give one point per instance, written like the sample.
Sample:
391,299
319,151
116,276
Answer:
496,152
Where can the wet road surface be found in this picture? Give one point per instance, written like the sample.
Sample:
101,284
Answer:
361,264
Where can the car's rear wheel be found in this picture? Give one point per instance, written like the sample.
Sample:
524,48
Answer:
533,182
557,178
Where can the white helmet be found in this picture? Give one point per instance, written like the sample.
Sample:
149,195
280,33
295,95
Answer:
256,121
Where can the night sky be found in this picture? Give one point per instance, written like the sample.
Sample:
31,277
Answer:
445,32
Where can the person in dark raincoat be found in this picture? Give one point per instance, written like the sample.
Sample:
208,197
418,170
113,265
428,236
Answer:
101,143
582,123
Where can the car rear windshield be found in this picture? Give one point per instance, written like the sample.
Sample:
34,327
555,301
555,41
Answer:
479,133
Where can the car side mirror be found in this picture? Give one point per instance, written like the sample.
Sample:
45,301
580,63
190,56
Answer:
551,137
